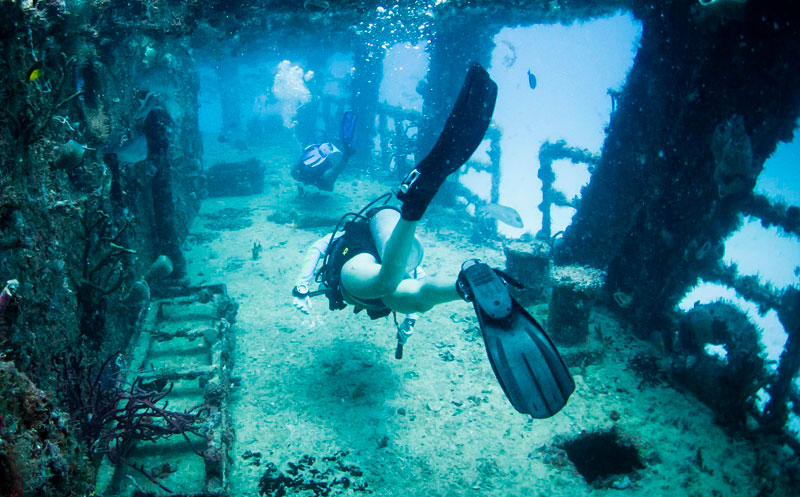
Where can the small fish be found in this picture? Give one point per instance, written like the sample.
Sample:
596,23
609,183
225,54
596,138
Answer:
34,72
504,214
156,385
531,80
133,151
162,470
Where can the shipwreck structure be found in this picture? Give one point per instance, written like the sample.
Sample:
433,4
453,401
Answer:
101,173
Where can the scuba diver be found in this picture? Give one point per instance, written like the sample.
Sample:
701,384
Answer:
370,258
317,165
381,222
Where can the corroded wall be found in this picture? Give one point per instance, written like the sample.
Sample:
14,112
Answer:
38,454
79,204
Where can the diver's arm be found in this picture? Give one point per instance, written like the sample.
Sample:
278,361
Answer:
300,296
314,254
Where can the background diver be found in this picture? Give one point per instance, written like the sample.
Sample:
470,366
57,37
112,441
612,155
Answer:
370,264
320,164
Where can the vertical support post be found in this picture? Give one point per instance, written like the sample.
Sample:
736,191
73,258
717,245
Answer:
229,96
401,146
547,176
575,289
157,130
368,63
494,170
385,137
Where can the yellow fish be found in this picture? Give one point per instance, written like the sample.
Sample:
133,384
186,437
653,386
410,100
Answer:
34,72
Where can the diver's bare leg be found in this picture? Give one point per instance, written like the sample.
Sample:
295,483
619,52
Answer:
364,278
420,296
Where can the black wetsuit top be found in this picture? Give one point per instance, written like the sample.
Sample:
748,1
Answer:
356,240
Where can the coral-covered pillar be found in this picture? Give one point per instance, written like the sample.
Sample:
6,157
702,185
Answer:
157,131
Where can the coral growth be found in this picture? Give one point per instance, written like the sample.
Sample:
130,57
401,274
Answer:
114,414
105,266
303,476
98,123
38,456
727,384
68,221
735,170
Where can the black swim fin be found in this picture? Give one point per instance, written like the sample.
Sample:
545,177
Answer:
525,361
347,130
462,134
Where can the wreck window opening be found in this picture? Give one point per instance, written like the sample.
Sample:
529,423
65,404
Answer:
769,254
779,179
574,67
766,253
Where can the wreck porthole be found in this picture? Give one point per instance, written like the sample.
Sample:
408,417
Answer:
600,455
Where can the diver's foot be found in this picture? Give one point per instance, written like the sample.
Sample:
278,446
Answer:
524,360
480,284
462,134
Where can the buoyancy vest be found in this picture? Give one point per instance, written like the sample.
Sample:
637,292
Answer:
356,240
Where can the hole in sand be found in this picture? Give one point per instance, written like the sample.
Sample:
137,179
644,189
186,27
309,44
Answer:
602,454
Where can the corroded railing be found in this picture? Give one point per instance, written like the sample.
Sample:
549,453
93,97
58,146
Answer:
548,153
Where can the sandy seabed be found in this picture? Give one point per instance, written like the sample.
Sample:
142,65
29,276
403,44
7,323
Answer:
436,423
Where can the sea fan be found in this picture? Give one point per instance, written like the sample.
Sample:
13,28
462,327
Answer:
98,122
